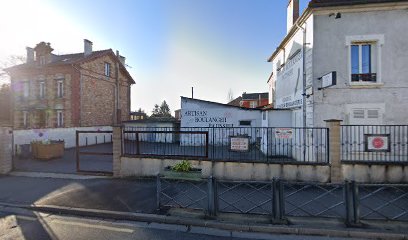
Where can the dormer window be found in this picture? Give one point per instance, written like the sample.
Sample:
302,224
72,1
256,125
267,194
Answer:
42,60
107,69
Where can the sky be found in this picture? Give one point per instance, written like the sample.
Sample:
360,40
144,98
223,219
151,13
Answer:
214,46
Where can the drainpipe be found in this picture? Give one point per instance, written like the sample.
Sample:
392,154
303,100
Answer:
80,95
304,73
304,87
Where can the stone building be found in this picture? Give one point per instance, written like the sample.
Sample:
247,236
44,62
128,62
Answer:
343,59
91,88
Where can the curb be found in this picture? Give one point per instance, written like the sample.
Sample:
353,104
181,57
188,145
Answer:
233,227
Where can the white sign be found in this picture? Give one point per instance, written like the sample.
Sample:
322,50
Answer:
283,133
377,142
289,83
240,144
329,80
207,118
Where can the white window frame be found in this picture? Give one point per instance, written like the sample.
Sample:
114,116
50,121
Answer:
378,41
42,89
60,118
107,69
42,60
25,119
253,104
60,88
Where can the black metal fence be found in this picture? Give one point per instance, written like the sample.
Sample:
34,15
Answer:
349,201
243,144
382,144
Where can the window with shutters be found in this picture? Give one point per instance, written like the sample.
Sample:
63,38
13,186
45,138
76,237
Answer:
365,116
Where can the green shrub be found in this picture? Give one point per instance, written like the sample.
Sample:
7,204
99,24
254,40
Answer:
183,166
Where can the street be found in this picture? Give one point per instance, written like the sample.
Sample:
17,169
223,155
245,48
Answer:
23,224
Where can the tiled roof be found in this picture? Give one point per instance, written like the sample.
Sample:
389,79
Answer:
235,102
254,96
68,59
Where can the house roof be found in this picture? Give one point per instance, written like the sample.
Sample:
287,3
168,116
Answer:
315,4
254,96
74,58
235,102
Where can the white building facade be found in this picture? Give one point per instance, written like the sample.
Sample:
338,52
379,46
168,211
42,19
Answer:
343,60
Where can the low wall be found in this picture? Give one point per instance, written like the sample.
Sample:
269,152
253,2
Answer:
144,167
375,173
68,134
6,149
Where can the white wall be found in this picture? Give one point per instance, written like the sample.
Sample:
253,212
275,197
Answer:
66,134
331,53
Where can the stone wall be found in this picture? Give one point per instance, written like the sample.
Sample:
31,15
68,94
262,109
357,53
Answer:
99,93
148,167
6,149
68,134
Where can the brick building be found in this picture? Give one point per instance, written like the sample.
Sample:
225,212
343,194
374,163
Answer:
251,100
91,88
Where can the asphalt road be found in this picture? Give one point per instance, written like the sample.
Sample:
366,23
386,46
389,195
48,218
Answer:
23,224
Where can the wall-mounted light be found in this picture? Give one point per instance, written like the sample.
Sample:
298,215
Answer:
338,15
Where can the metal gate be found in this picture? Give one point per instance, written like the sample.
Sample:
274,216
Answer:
94,152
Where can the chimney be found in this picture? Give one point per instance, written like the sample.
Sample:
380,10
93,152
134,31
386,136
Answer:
122,59
87,47
30,55
292,13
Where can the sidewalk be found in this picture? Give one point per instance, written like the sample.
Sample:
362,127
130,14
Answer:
135,199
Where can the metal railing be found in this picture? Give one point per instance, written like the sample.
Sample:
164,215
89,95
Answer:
242,144
381,144
278,199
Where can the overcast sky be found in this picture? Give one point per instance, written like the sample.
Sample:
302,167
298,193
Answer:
169,45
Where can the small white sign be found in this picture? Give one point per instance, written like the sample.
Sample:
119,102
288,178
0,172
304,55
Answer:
377,142
239,144
329,80
283,133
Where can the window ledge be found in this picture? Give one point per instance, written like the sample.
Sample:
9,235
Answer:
365,85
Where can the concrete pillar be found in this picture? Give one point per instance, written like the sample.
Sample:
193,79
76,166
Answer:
336,175
117,150
6,149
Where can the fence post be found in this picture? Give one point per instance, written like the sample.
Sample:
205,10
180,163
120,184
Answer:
158,191
278,206
356,202
117,150
334,141
211,197
348,201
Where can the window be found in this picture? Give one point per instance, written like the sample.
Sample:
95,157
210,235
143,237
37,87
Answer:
366,113
253,104
364,59
363,64
42,89
60,88
26,89
107,69
42,60
60,118
245,123
263,115
25,119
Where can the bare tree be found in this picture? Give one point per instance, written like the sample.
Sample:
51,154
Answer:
230,95
11,60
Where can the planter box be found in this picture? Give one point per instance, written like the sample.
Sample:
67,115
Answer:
55,149
193,175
